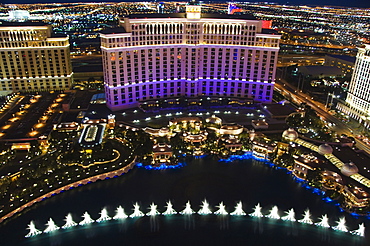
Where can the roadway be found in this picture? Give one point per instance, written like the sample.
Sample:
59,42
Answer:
298,97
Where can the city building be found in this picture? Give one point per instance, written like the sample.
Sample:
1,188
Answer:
357,104
32,59
192,54
345,63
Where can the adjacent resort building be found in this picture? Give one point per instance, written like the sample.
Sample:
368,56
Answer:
358,99
192,54
31,59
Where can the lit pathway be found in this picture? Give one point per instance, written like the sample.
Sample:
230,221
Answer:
85,181
335,161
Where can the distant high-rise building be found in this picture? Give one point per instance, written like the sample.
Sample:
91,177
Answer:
160,8
32,60
190,54
358,98
19,15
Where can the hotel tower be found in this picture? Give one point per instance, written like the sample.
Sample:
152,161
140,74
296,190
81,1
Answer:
32,60
358,97
192,54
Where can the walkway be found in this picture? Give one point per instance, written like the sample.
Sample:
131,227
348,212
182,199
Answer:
85,181
335,161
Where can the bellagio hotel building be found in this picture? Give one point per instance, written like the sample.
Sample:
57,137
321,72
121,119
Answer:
32,60
156,56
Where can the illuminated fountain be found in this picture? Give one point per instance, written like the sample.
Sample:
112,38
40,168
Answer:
137,212
306,218
69,222
360,231
222,209
324,222
204,208
238,209
103,216
120,214
153,210
33,230
87,219
187,209
290,215
51,226
169,210
274,213
341,225
257,211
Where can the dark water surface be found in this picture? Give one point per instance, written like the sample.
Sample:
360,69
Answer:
248,181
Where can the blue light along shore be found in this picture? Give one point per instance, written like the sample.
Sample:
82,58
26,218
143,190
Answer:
248,180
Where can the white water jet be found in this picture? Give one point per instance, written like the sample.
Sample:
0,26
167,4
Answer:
33,231
169,210
103,216
221,210
290,215
257,211
274,213
306,218
51,226
238,209
153,210
87,219
324,222
341,226
69,222
204,208
137,212
187,209
120,213
360,231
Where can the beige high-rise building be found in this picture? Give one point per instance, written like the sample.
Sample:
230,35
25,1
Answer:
192,54
357,104
32,59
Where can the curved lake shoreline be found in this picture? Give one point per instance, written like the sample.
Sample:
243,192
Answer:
248,181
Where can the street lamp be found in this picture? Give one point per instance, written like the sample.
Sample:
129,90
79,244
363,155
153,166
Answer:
332,95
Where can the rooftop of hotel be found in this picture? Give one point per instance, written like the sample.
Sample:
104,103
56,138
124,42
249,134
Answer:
183,15
21,24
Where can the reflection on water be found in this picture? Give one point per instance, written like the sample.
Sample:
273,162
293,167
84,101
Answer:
247,181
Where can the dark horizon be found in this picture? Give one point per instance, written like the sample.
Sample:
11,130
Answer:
343,3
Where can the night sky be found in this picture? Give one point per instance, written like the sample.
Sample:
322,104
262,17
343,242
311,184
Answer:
356,3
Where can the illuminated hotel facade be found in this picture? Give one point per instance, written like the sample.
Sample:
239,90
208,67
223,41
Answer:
32,60
358,97
188,55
